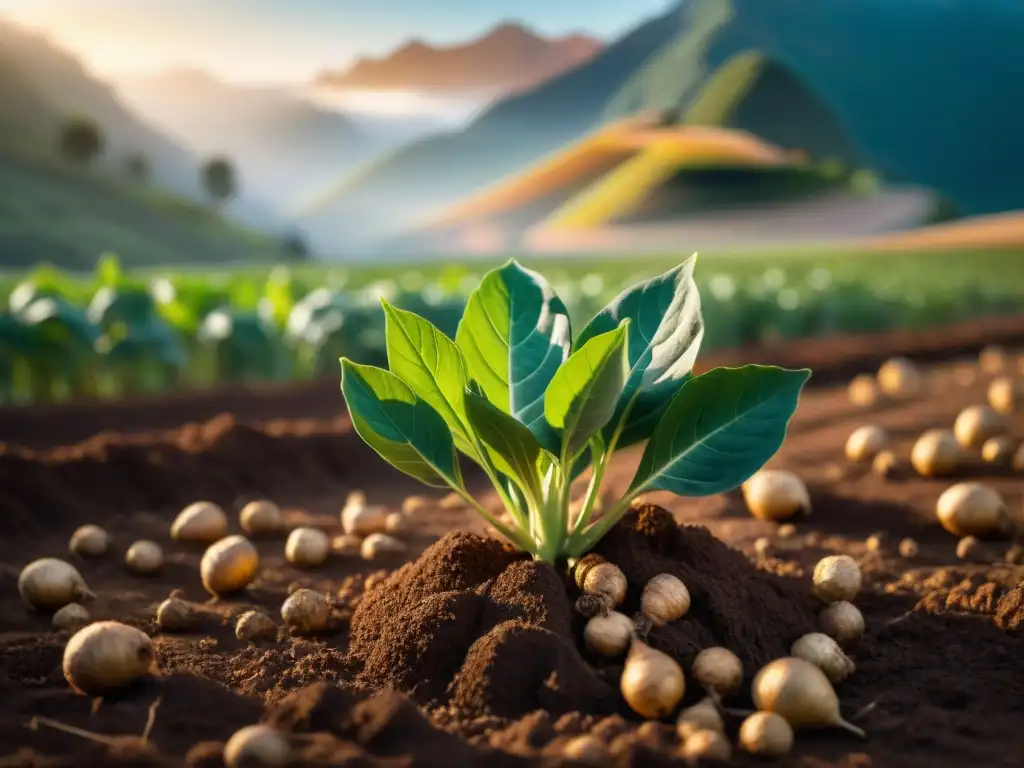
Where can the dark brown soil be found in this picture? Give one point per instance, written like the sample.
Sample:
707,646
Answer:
471,654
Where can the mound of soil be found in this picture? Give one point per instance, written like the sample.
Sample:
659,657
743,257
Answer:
479,627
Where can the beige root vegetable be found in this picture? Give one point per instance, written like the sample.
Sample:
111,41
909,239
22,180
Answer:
899,377
144,557
775,494
307,546
994,359
908,548
824,653
999,450
665,599
89,541
588,751
936,453
603,585
972,509
766,734
719,671
306,611
836,577
866,442
260,517
71,616
257,746
885,464
175,615
107,655
255,625
355,498
378,545
49,584
702,716
862,390
346,545
201,521
843,622
976,424
652,682
396,523
701,746
798,691
969,548
229,565
1005,395
608,635
411,505
362,520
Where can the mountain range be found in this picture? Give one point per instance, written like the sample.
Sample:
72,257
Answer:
508,58
924,92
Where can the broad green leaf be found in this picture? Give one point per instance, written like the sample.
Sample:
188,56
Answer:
433,367
719,430
582,396
666,329
512,446
398,425
515,334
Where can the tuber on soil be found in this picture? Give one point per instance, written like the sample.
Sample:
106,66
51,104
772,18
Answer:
175,615
885,464
603,585
702,746
588,751
836,577
999,449
89,541
396,523
899,377
766,734
357,519
256,746
346,545
229,565
534,408
976,424
49,584
776,494
702,716
665,598
144,557
255,625
799,691
865,443
970,549
378,545
843,622
824,653
1005,395
107,655
719,671
609,634
260,518
936,453
307,546
993,359
862,390
908,548
652,682
972,509
72,616
201,521
306,611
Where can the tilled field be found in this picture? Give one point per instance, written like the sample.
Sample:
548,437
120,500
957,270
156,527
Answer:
471,655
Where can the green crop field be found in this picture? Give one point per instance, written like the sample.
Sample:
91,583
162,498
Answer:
112,333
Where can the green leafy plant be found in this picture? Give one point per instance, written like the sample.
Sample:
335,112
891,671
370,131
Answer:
515,394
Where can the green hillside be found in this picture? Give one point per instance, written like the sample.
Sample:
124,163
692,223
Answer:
921,91
49,212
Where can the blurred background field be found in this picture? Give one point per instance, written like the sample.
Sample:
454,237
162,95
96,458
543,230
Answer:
181,207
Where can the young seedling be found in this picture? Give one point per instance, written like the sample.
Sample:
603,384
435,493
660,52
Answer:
535,408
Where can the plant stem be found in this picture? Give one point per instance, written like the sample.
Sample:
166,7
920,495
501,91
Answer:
581,544
512,535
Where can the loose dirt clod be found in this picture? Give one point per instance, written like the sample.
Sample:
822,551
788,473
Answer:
89,541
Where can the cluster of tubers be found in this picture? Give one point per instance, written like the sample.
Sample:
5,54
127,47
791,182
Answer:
790,694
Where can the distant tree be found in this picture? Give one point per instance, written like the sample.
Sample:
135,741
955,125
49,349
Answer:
218,176
295,246
81,141
136,167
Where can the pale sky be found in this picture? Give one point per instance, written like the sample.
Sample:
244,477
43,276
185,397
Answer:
290,40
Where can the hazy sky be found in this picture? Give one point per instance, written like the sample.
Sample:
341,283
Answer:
288,40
